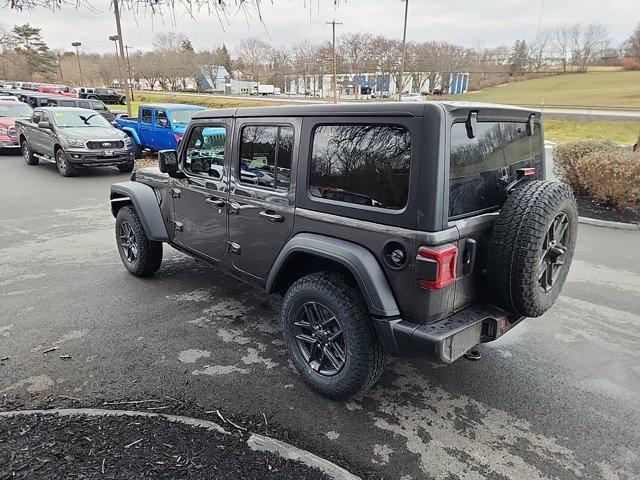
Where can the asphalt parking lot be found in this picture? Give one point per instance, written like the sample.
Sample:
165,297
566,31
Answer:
557,398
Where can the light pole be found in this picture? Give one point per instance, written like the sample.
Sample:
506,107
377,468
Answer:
333,24
77,44
126,50
404,47
114,39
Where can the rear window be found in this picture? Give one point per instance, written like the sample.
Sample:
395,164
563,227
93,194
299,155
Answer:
365,165
483,167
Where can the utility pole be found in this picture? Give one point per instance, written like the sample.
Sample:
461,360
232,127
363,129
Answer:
333,24
77,44
404,48
116,9
126,49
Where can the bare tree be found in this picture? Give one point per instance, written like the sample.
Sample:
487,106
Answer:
538,51
587,43
354,48
632,45
254,55
561,43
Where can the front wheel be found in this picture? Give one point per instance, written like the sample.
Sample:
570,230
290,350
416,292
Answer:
330,336
141,256
126,167
64,167
27,153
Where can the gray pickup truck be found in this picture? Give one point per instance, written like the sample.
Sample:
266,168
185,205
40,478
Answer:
73,138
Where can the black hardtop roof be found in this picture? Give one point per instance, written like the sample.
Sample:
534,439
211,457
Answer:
405,109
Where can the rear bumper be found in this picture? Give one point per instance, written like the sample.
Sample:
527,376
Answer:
9,142
447,340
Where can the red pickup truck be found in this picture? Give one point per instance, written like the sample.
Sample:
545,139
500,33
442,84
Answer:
9,112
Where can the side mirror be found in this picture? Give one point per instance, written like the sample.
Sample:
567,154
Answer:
46,125
168,161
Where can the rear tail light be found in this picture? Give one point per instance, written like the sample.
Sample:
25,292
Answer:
177,136
436,266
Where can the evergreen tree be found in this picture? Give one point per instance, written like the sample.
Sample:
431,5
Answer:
32,51
186,45
519,58
225,58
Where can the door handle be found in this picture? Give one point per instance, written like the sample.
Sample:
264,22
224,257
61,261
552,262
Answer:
271,216
216,202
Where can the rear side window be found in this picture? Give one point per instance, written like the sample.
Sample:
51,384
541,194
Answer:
145,116
364,165
483,167
265,155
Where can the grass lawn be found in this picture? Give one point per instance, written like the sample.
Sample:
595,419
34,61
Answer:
621,131
209,102
595,89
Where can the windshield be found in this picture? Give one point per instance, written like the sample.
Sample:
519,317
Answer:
181,117
18,109
70,119
98,105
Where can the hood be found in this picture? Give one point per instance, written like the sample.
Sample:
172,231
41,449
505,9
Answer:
92,133
8,121
180,128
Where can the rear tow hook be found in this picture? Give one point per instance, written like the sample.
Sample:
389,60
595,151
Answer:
473,355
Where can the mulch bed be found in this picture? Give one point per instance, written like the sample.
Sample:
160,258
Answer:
592,208
51,446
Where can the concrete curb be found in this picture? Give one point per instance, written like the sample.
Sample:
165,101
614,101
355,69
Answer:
258,443
606,223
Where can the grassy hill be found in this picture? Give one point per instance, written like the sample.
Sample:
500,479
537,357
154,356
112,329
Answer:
591,89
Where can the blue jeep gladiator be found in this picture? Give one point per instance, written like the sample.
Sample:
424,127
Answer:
157,127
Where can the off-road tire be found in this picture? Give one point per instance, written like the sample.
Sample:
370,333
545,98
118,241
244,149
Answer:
518,241
148,252
27,153
365,355
63,165
126,167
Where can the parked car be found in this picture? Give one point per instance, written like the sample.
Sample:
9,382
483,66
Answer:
34,99
96,105
107,95
73,138
157,127
381,242
56,90
10,111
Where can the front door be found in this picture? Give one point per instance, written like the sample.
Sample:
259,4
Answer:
200,199
146,127
261,199
163,135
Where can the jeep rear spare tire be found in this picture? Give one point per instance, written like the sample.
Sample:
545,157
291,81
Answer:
531,247
330,336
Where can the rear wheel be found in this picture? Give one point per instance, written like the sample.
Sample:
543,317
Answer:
330,336
64,167
29,157
141,256
532,246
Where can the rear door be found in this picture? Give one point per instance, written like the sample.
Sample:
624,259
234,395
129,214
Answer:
34,134
200,199
262,191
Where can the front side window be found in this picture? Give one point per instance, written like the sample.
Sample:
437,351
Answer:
83,105
266,152
482,167
361,164
98,105
161,119
205,151
37,115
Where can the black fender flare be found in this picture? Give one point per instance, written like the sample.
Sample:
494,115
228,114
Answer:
146,204
358,260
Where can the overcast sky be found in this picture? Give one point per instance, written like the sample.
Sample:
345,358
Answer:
467,22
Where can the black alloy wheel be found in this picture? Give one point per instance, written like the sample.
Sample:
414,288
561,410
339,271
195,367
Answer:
320,339
128,241
553,253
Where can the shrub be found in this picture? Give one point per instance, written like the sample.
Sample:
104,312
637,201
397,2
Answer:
567,158
613,176
630,63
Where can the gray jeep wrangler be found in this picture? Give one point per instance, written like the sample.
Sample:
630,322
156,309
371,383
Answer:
416,229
